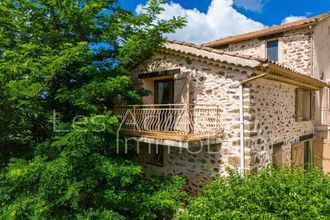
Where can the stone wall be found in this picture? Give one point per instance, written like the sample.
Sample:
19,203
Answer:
212,85
272,117
255,48
198,165
295,50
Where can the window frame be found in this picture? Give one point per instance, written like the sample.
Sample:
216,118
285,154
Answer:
278,49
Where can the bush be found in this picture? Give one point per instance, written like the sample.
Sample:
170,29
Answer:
77,177
270,194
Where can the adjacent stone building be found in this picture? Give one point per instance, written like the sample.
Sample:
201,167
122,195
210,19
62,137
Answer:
302,46
243,102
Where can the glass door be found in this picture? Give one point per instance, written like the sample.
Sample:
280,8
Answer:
164,95
164,91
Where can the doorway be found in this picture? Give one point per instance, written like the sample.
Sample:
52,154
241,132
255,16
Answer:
164,92
164,96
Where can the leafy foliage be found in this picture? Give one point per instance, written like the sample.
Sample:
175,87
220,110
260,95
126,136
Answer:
63,59
270,194
72,57
74,177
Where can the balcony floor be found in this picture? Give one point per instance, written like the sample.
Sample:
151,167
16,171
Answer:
170,136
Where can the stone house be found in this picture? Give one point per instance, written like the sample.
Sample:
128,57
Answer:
242,102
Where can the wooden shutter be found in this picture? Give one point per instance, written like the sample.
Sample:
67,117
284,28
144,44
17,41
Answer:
299,104
297,156
317,153
181,96
181,88
278,155
313,103
306,105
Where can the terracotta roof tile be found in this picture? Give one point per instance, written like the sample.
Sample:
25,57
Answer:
212,50
212,54
268,31
231,58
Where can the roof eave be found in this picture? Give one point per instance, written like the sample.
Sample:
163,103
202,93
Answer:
292,77
278,73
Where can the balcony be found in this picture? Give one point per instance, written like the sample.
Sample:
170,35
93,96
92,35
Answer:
171,122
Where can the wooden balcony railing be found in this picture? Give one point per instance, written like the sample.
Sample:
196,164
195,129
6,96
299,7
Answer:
322,117
173,122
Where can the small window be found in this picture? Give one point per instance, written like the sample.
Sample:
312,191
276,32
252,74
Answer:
272,50
155,155
304,105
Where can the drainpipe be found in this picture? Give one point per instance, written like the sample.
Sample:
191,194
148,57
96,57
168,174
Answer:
241,112
241,126
312,50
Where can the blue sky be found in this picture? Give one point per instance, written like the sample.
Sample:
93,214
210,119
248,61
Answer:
213,19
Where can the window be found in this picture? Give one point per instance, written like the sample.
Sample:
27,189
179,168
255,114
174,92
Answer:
155,155
272,50
304,105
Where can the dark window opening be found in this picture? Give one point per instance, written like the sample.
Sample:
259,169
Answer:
164,91
272,50
155,155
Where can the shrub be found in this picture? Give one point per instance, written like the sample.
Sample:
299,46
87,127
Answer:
77,177
270,194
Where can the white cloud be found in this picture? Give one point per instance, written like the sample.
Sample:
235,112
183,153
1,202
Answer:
139,9
221,20
292,18
251,5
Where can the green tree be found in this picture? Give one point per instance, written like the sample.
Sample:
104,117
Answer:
270,194
74,57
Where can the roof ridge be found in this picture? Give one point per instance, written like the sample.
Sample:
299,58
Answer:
267,31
